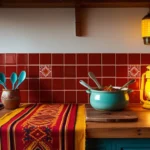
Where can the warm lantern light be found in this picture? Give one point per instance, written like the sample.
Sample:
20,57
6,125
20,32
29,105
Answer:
146,29
145,89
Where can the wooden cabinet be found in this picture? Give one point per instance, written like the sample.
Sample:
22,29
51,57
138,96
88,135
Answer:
118,144
37,3
72,3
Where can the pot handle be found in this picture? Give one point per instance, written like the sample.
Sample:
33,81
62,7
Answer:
88,91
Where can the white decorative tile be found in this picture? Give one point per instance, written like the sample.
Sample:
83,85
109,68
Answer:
134,71
45,71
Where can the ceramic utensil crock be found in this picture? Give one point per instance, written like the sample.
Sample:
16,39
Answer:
10,98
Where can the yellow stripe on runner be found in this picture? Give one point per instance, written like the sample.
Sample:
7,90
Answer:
80,128
4,119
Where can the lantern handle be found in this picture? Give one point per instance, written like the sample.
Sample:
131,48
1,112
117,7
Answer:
142,88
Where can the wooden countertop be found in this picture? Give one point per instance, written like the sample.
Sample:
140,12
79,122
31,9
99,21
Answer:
138,129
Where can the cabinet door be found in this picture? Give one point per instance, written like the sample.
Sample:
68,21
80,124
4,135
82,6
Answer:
131,144
133,147
98,144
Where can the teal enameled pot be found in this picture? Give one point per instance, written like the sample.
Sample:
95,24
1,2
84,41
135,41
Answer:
109,100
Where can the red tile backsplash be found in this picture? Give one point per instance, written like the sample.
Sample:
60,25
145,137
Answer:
121,58
22,59
95,59
54,78
11,59
33,71
108,58
45,96
134,59
70,71
82,58
70,84
108,71
70,58
121,71
57,59
2,59
34,58
45,58
70,96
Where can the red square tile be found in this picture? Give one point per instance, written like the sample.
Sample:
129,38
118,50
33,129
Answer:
108,81
24,96
8,84
9,70
33,96
70,96
57,59
92,83
24,85
95,58
96,70
82,97
108,58
134,58
45,58
70,71
45,71
70,84
134,71
82,71
33,84
45,96
21,68
58,96
121,81
45,84
33,71
22,59
121,59
108,71
121,71
136,85
143,69
58,71
134,97
57,84
79,86
82,58
70,59
2,59
2,69
11,59
34,58
145,59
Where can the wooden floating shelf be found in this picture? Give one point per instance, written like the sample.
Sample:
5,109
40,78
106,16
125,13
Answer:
77,4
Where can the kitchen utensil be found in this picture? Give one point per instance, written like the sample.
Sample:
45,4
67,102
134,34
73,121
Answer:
129,82
109,100
3,80
21,78
85,84
92,76
13,79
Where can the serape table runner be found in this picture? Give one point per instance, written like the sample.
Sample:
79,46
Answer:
43,127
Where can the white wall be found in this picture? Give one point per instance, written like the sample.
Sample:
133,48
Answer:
116,30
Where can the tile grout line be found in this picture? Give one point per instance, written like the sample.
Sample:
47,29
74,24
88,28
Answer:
76,76
28,79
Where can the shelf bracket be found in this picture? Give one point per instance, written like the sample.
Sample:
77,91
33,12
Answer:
78,18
